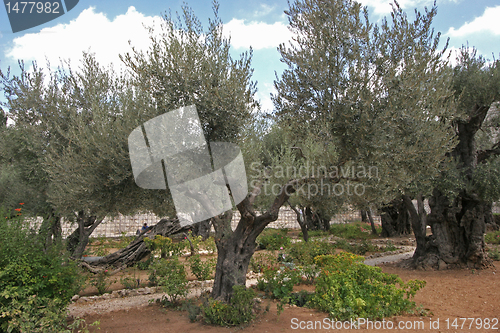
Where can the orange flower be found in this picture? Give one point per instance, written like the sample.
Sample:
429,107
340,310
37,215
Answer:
18,209
21,203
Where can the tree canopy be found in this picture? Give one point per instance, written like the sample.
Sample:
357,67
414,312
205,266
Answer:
378,96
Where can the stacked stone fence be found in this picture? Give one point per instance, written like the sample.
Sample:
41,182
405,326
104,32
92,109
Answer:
128,225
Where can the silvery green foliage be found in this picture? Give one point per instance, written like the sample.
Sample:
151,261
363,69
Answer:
75,122
374,95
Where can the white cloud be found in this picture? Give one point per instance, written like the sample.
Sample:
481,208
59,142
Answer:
258,35
452,54
263,10
90,31
383,7
488,22
264,97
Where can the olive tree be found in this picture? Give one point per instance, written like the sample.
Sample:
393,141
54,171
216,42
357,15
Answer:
461,203
381,95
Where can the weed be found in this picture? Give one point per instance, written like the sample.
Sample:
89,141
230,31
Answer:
130,282
390,247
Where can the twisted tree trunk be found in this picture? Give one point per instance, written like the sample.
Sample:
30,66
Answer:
78,240
458,226
137,249
236,248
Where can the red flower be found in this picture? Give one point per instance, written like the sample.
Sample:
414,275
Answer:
21,203
18,209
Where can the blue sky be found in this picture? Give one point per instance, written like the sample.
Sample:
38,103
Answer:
104,27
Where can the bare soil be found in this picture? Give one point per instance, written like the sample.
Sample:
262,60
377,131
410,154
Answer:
448,295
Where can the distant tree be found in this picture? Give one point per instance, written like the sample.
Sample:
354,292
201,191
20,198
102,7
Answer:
395,219
22,146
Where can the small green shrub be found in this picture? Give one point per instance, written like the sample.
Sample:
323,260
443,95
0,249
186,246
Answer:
365,246
259,261
36,282
348,289
101,281
301,298
315,233
303,253
279,281
144,265
352,230
273,239
130,282
209,245
164,246
43,315
492,237
237,312
195,240
193,309
494,254
170,275
310,272
201,269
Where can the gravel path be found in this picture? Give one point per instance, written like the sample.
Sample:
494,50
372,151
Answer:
390,258
100,306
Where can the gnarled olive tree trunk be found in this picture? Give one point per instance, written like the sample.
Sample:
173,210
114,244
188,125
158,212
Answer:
236,248
51,228
458,229
458,226
78,240
137,249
